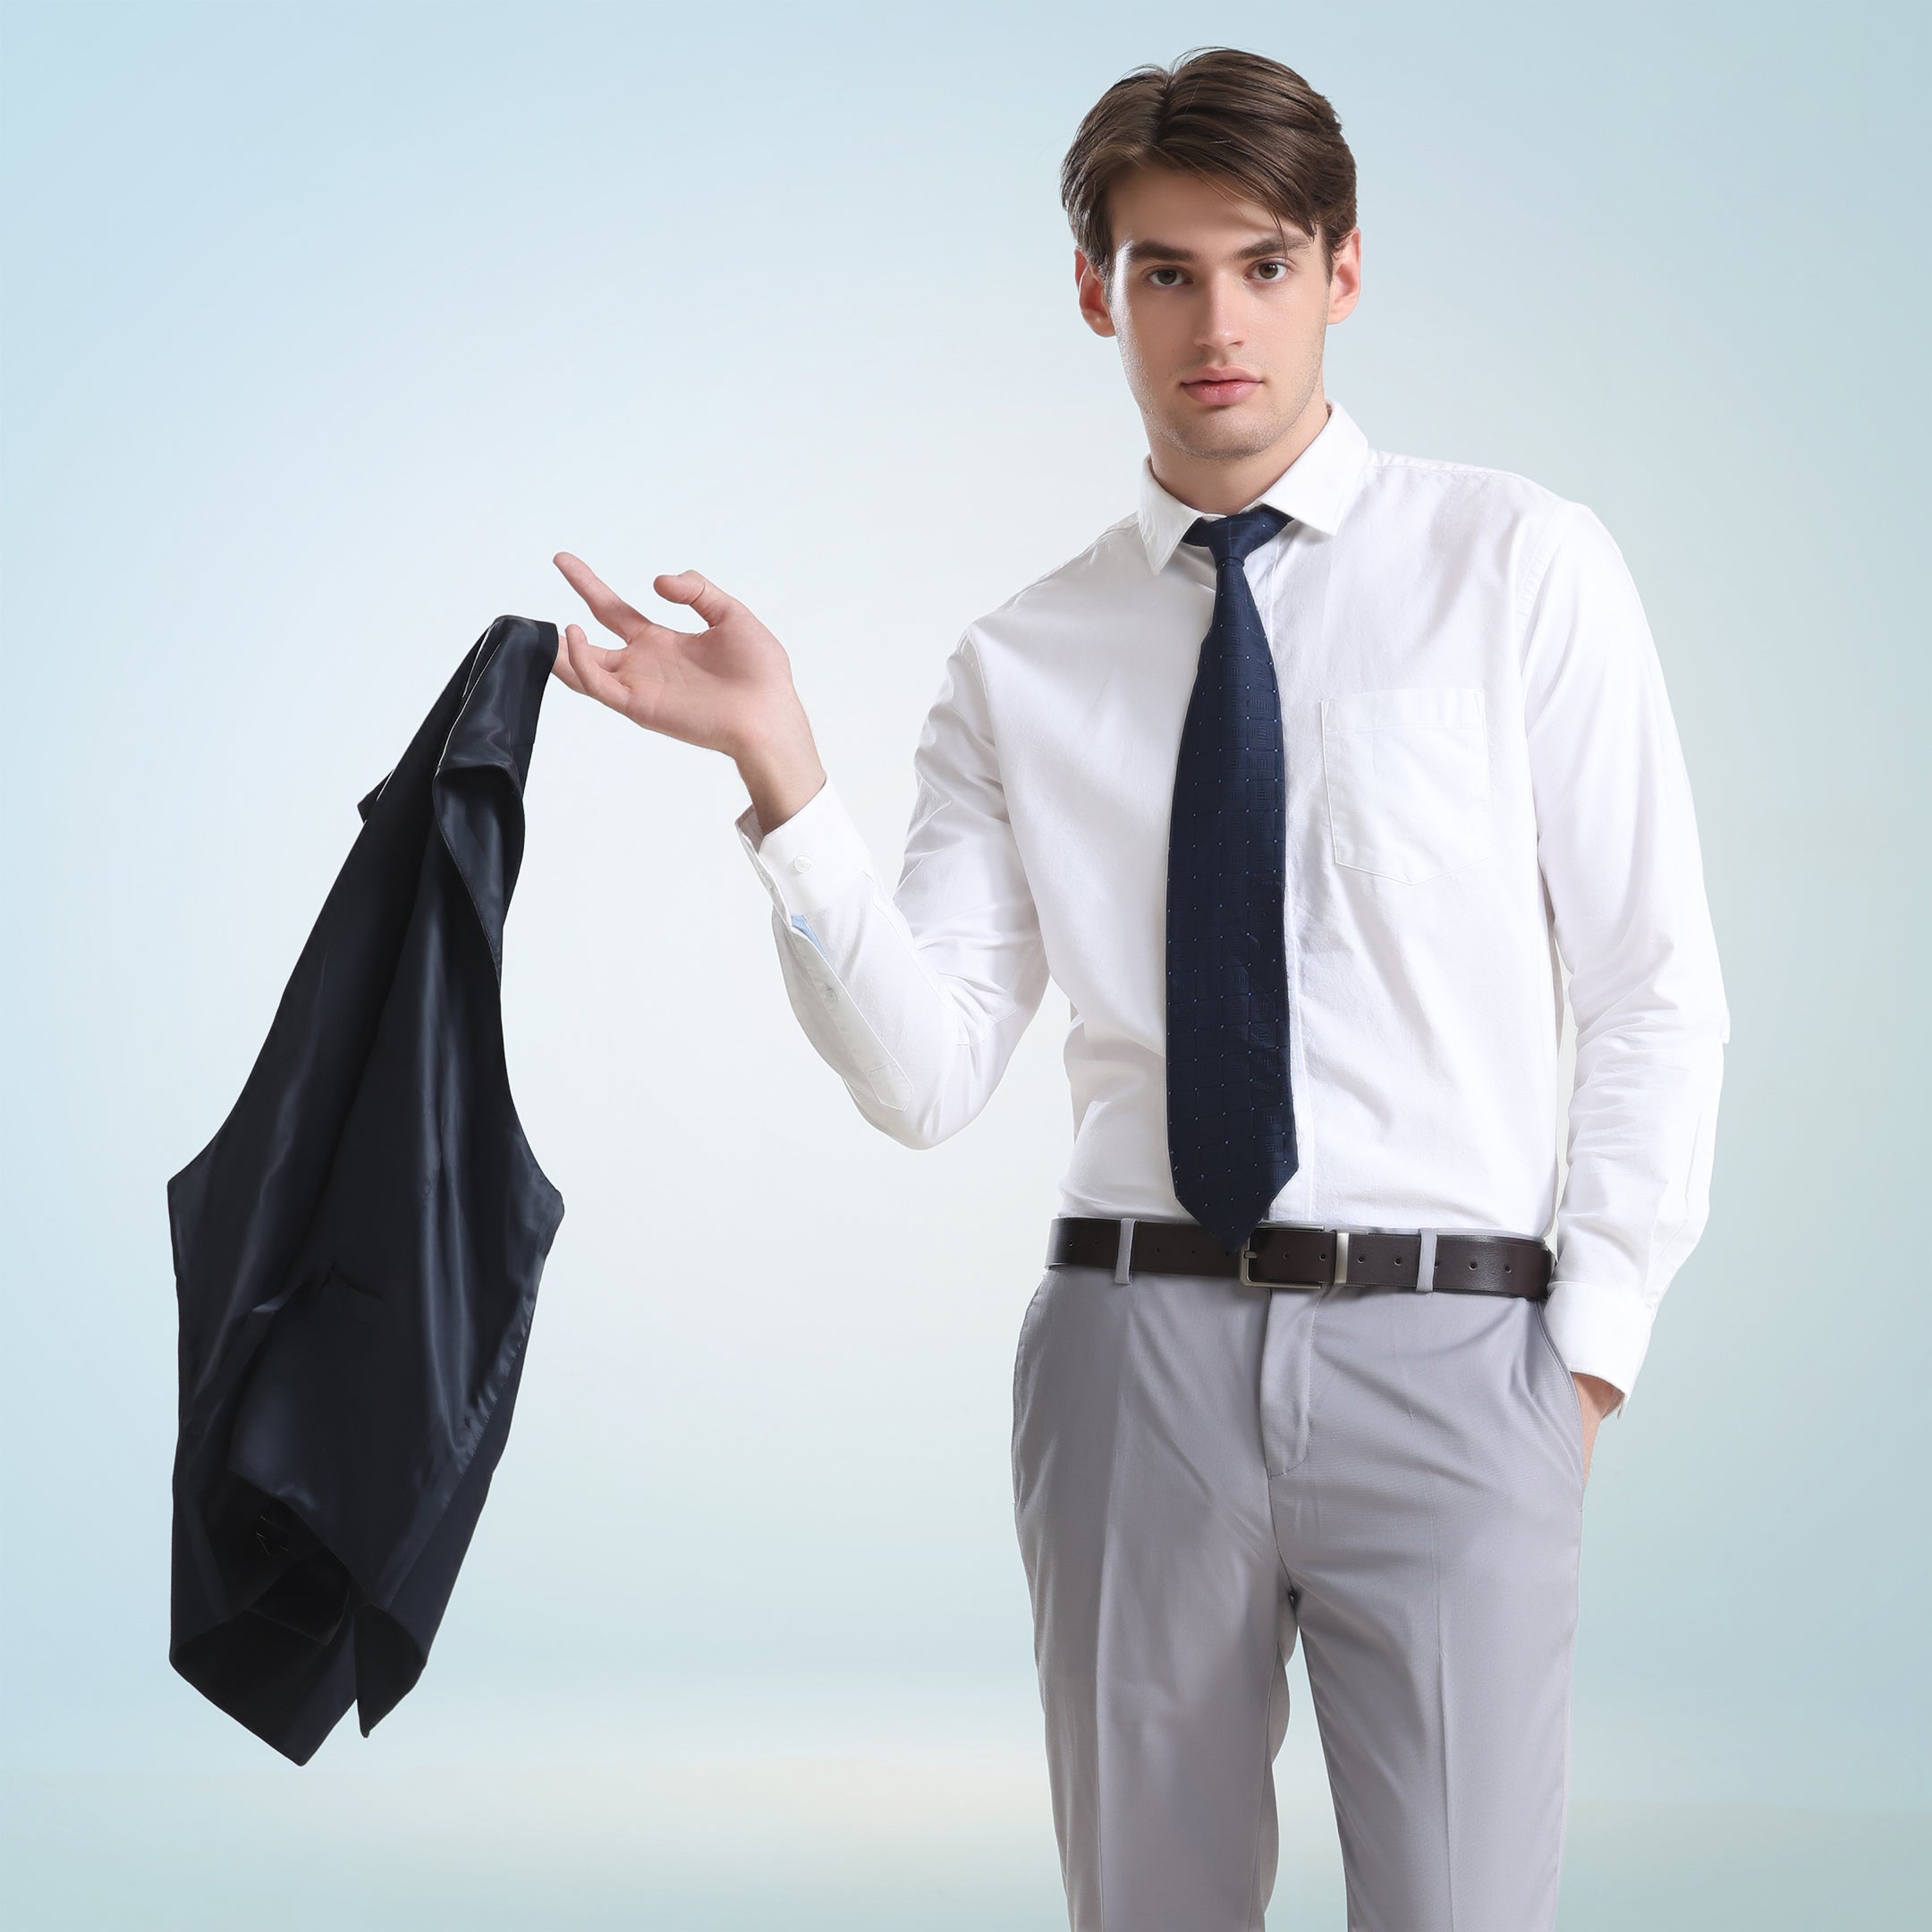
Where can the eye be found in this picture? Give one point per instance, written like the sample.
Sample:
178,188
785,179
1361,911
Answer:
1262,267
1154,274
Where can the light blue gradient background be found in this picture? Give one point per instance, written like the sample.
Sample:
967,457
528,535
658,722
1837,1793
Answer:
324,328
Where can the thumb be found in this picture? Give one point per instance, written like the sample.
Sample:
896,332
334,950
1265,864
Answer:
703,596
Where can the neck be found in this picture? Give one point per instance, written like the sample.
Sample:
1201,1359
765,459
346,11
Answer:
1222,485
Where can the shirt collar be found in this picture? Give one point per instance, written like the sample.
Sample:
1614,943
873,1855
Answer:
1314,489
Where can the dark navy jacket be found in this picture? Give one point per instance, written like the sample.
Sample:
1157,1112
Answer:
356,1250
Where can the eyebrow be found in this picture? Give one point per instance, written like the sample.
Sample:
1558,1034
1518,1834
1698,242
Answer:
1150,249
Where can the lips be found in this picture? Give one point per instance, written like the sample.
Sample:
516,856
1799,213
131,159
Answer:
1221,386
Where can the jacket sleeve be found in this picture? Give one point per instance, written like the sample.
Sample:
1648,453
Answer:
1617,841
915,998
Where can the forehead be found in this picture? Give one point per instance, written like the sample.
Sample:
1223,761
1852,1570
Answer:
1164,204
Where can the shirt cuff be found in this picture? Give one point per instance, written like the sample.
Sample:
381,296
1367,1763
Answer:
1598,1331
810,859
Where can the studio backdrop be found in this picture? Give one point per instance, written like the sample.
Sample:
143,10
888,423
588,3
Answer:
326,326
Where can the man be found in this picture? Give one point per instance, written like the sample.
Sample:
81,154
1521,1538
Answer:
1299,780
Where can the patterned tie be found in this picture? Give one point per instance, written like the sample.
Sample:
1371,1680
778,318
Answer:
1231,1134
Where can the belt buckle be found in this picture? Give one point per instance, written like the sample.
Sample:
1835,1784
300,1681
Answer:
1246,1254
1338,1278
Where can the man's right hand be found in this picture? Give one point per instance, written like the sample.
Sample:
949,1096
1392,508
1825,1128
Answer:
727,687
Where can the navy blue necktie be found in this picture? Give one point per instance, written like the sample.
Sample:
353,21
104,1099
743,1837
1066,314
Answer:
1231,1133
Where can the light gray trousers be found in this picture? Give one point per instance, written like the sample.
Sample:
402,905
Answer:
1202,1470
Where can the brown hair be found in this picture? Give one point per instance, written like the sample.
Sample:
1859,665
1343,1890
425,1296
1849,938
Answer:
1244,122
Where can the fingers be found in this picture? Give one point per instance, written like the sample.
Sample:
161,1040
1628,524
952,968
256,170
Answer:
590,669
606,607
610,610
703,596
560,665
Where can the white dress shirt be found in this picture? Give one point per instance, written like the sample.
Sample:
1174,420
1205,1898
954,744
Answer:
1483,773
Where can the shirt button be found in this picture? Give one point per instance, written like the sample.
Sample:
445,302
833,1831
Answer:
801,865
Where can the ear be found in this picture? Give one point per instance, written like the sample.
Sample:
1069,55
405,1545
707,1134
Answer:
1344,282
1091,291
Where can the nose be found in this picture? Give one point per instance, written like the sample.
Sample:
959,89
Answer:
1221,327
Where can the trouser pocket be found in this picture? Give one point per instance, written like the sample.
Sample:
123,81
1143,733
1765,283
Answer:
1569,1397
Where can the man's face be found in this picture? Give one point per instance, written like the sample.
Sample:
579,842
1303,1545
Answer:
1221,312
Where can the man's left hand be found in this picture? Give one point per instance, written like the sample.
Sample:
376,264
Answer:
1598,1399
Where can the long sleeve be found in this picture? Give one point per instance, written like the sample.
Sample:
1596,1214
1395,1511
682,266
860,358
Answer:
916,999
1618,846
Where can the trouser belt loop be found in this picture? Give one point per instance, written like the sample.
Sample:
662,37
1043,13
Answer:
1123,1254
1425,1280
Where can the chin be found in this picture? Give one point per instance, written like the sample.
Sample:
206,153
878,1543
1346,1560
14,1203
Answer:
1228,433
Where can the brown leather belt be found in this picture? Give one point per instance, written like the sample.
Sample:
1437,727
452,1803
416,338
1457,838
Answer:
1280,1255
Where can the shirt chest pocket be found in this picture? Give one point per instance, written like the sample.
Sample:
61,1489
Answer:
1407,775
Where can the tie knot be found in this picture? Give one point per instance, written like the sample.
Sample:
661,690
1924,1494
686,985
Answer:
1230,539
